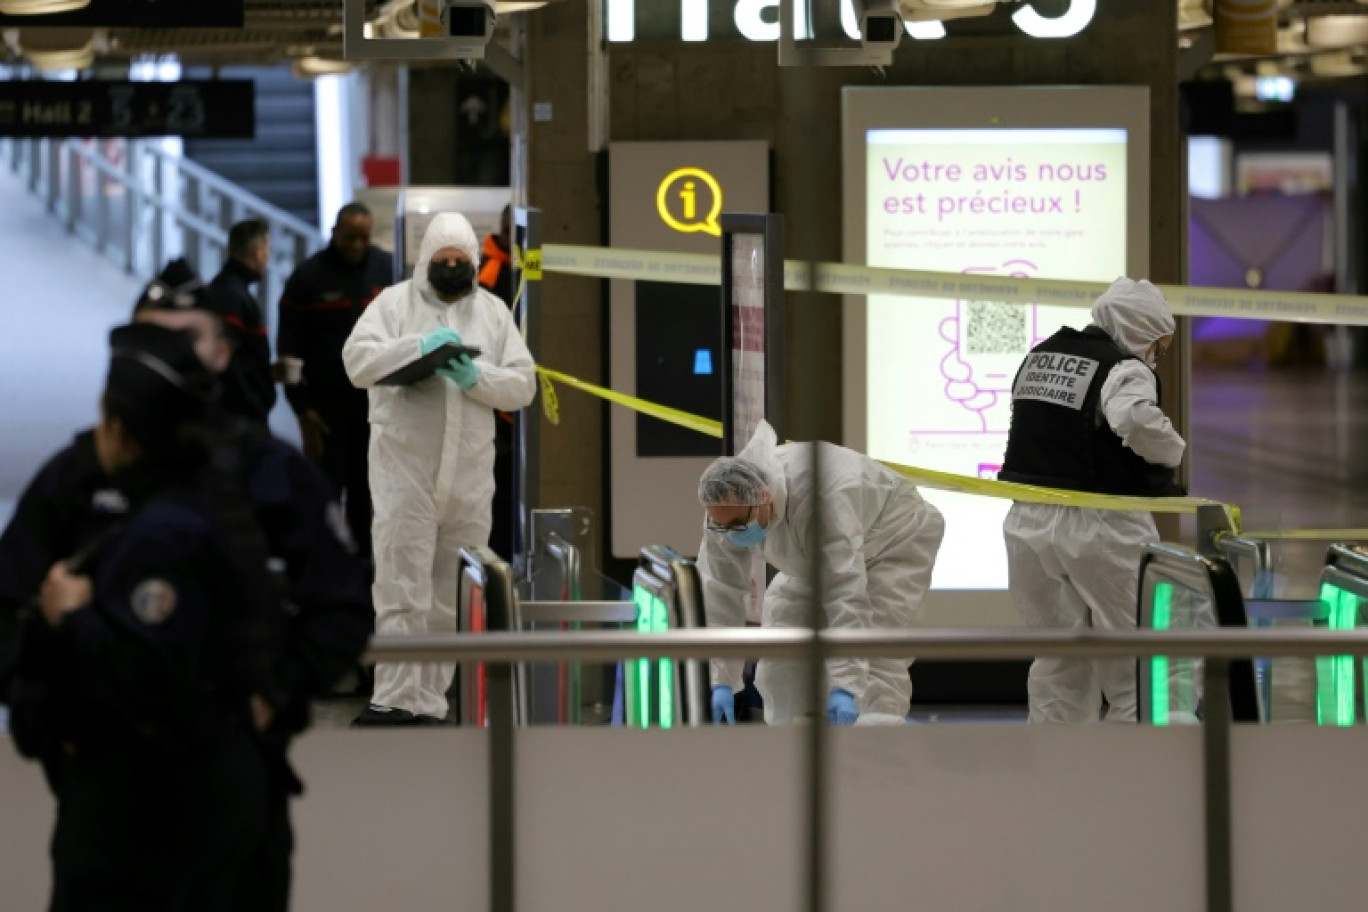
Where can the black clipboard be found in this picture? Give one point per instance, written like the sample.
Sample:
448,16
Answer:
424,367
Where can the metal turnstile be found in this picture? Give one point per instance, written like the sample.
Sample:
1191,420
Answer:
665,693
1340,681
1180,589
1252,560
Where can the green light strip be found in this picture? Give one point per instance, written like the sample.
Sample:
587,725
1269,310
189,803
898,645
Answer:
1162,615
1336,687
653,616
667,695
642,691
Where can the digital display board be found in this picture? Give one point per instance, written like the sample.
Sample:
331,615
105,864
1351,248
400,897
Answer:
147,14
1049,183
211,109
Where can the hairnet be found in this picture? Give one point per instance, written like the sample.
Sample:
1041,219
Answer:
732,480
1134,314
447,229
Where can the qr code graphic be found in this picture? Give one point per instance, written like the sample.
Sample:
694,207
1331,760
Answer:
995,328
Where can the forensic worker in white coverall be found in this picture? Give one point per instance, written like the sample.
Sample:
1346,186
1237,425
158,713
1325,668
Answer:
878,544
1086,417
432,450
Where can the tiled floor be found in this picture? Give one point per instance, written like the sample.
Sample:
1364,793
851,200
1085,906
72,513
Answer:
1291,449
60,300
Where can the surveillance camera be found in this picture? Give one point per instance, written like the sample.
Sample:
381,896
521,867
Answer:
469,20
881,24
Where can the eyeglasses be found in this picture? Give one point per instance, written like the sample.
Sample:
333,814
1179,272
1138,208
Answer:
736,525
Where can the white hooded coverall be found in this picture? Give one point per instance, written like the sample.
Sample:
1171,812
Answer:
879,544
431,455
1071,567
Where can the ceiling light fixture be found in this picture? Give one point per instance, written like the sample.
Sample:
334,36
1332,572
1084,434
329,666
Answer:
41,7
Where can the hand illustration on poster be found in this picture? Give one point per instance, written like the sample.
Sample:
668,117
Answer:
987,342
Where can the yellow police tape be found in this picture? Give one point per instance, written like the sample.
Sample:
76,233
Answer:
943,481
1330,535
843,278
663,412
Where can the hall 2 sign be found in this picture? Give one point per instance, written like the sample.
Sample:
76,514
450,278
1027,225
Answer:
758,20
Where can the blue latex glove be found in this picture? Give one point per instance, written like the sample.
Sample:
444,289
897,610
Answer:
841,708
461,371
723,705
435,339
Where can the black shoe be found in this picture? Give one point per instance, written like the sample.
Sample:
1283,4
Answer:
427,720
383,716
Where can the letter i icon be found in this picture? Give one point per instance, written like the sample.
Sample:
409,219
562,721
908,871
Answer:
689,195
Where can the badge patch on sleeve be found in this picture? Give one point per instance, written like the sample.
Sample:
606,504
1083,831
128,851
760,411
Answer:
1055,378
154,601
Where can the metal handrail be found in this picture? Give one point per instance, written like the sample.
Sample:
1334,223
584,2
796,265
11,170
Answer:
170,207
260,207
598,612
1240,546
1346,568
504,700
740,643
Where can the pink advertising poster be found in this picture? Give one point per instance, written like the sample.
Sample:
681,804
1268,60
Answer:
1048,203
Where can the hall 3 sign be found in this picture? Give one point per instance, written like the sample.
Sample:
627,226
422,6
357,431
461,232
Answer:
758,20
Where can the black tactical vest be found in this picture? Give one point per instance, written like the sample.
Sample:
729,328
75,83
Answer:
1059,437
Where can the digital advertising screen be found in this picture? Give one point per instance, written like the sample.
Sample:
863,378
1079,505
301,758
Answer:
929,379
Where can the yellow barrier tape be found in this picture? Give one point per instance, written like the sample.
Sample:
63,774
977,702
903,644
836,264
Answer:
1007,490
1332,535
944,481
518,295
550,402
529,262
844,278
663,412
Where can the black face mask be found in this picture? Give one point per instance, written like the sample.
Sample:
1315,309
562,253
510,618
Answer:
452,281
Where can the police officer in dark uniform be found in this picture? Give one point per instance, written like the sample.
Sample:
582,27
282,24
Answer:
137,672
496,277
325,609
322,301
249,384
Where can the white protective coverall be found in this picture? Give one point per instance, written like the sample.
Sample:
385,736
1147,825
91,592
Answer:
431,455
1071,567
879,543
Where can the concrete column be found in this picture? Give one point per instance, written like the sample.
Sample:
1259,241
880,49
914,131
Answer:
565,64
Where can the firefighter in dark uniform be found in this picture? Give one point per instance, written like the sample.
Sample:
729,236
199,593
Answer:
249,384
325,613
496,276
323,299
1086,417
140,668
